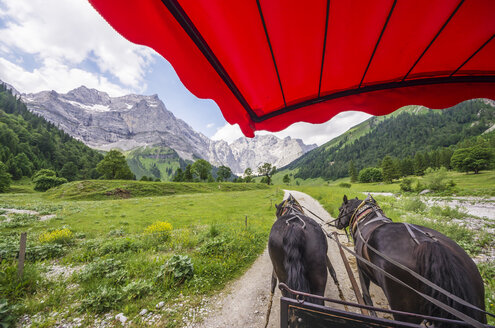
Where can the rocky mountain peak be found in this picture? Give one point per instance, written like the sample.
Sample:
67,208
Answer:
88,96
132,121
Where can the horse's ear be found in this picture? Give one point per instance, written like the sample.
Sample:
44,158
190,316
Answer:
277,206
345,199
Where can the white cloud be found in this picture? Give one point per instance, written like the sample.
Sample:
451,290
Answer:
54,76
70,32
210,125
228,133
309,133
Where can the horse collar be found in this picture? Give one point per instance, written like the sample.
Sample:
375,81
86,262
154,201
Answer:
361,213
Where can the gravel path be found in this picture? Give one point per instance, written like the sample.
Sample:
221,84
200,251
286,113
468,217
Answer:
244,302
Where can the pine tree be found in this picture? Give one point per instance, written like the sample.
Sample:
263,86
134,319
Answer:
388,169
352,172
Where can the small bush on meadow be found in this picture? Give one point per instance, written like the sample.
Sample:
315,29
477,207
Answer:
344,185
45,179
178,268
406,185
159,229
137,289
370,174
59,236
436,180
102,299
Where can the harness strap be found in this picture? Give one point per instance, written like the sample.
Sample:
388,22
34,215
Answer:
445,307
417,276
296,217
413,236
378,218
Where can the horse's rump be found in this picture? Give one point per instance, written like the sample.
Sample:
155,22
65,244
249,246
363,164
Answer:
444,268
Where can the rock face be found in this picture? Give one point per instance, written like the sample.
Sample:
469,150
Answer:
132,121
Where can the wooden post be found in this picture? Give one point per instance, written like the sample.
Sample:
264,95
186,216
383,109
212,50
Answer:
354,284
245,222
22,255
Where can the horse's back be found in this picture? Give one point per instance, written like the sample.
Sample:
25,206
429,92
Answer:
437,258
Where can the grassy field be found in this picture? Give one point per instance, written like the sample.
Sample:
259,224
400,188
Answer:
98,257
123,246
118,189
482,184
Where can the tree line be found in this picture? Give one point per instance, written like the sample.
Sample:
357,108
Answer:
471,155
427,139
29,143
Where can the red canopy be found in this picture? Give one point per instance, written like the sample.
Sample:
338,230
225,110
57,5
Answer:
270,63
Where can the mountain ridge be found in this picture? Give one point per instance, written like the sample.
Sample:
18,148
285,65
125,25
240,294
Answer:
401,134
133,121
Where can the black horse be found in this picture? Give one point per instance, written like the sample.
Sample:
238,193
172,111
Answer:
423,251
298,250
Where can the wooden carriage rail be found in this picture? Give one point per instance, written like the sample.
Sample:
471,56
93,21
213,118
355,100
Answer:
322,316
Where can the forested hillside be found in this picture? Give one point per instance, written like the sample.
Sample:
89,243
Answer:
421,134
156,162
29,143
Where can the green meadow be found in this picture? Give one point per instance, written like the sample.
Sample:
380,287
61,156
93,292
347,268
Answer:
128,254
112,247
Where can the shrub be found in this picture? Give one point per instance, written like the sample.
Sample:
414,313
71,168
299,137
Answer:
406,185
62,236
370,174
104,298
178,268
435,179
137,289
419,186
5,178
344,185
159,229
45,179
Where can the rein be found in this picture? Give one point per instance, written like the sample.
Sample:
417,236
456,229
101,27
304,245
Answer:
356,218
445,307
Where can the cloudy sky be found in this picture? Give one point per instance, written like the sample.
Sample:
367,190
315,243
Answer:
63,44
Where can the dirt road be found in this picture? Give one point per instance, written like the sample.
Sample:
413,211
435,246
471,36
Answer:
244,302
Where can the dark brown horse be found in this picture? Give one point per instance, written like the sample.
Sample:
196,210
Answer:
422,250
298,250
